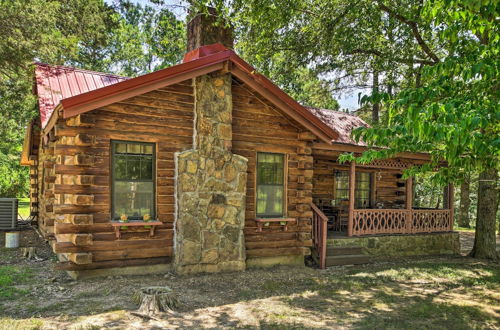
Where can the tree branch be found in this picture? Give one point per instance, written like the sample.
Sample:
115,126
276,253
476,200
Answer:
386,56
414,28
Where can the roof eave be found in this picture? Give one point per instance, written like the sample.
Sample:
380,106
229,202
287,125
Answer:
27,143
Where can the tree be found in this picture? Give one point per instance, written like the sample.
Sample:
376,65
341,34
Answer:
463,216
31,30
441,60
149,38
453,115
301,83
351,45
125,38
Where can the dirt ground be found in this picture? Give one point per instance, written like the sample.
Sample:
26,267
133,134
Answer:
432,292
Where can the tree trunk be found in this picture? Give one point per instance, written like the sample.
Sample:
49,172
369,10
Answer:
155,299
376,106
446,198
487,205
30,254
463,217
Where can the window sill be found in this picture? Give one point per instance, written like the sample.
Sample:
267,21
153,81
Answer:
262,221
118,225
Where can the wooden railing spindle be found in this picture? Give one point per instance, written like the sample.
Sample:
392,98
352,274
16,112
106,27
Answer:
400,221
319,234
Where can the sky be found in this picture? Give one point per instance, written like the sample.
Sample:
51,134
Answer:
347,101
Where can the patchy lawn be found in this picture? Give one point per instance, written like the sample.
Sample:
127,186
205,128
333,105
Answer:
417,293
23,208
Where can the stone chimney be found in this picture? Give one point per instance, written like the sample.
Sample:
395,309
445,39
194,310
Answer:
210,180
205,29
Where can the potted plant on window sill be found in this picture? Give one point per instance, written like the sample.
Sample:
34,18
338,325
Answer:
146,218
124,219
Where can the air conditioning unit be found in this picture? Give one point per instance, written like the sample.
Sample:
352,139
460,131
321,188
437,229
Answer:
8,213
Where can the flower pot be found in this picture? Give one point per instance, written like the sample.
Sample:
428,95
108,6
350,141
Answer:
123,227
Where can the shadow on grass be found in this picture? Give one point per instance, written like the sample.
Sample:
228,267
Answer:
405,296
410,294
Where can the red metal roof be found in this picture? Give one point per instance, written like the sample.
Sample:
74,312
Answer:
79,91
342,122
55,83
204,60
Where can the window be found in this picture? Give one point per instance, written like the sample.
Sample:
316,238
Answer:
341,186
361,193
270,185
133,174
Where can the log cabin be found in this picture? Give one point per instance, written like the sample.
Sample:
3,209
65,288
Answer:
207,166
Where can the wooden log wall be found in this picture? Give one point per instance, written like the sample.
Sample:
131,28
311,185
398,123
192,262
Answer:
389,186
77,164
259,126
33,170
81,204
45,177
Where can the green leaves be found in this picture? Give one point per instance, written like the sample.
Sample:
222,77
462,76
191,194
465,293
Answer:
455,114
126,38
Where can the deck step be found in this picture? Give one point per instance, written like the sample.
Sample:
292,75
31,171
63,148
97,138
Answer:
342,251
354,259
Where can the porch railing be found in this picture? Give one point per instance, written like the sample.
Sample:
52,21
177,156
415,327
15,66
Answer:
319,231
404,221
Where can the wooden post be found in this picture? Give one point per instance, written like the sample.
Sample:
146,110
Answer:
409,204
451,193
373,190
352,183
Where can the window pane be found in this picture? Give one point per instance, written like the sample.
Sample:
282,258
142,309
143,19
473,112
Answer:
270,168
147,149
133,168
120,167
270,201
146,168
121,148
270,180
134,148
341,187
363,186
362,191
134,199
133,161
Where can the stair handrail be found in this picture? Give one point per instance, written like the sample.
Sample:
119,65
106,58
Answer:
319,234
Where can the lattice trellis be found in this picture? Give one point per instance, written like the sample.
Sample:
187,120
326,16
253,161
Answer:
389,163
385,221
390,221
426,221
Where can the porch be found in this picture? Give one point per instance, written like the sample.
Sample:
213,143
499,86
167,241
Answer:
383,207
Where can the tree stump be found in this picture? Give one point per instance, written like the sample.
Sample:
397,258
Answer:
155,299
30,253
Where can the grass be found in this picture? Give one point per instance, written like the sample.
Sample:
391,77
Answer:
419,293
24,207
10,276
13,324
464,229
